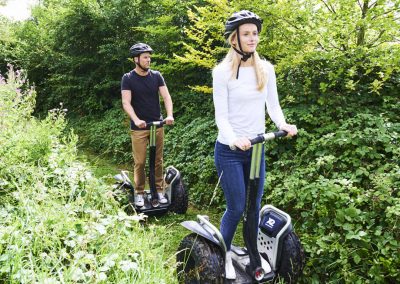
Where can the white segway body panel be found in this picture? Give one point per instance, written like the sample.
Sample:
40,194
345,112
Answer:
274,226
207,230
171,174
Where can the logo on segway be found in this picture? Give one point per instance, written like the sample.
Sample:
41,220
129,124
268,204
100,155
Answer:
270,223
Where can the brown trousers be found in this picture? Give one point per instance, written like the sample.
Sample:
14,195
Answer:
140,139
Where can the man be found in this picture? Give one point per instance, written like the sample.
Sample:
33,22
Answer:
140,90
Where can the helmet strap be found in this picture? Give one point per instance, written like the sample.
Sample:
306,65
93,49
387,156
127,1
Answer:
245,55
140,66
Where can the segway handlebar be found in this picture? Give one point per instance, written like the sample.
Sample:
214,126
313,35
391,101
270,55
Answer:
156,123
268,136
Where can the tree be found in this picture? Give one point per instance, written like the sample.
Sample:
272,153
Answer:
293,29
77,51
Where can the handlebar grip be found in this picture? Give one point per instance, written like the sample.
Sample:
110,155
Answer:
258,139
280,133
264,137
156,123
268,136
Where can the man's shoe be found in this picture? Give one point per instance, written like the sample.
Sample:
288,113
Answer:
139,200
230,272
161,198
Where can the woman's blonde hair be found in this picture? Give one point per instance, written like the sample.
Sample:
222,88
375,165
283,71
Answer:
232,58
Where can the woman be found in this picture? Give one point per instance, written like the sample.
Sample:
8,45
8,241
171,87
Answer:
243,84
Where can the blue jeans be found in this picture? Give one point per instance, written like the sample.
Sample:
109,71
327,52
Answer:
234,166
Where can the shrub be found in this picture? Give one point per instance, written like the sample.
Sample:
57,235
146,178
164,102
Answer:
107,134
342,189
189,147
58,223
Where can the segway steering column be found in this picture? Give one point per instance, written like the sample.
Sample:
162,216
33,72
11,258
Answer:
152,159
250,221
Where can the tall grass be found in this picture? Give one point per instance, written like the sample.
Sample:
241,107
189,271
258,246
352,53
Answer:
58,223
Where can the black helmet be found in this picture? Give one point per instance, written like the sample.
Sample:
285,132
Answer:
240,18
140,48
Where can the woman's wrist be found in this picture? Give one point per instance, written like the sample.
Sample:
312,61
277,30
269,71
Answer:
291,129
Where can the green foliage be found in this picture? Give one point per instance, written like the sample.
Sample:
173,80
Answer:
76,52
203,45
337,64
293,29
8,44
189,147
162,28
343,24
58,223
357,78
342,189
108,134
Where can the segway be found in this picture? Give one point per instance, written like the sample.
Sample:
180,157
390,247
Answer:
175,190
274,254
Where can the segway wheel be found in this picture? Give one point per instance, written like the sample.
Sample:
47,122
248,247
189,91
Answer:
124,198
199,261
179,200
292,260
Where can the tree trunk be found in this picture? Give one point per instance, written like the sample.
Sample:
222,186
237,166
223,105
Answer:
361,29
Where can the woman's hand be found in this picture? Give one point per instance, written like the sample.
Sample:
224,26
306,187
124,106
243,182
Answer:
242,143
291,129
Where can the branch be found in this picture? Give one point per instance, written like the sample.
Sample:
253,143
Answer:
364,10
335,47
373,4
330,8
375,45
385,13
320,44
376,39
359,4
287,21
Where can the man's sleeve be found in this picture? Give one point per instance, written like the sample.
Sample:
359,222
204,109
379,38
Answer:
125,83
161,81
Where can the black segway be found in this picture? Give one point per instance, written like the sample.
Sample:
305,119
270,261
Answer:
175,191
274,254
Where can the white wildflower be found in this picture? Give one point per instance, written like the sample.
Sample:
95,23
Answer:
89,274
50,281
102,276
127,265
70,243
79,254
77,274
101,229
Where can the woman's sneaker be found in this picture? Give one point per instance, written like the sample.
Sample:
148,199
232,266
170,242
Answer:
230,272
139,200
161,198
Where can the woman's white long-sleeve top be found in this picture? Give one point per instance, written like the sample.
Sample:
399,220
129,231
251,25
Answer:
240,107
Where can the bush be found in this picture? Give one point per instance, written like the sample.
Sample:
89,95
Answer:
342,189
107,134
322,88
189,147
58,223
